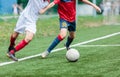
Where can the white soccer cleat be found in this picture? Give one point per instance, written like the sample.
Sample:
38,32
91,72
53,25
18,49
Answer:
44,54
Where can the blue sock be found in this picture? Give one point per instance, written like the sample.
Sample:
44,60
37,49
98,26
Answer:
69,41
54,43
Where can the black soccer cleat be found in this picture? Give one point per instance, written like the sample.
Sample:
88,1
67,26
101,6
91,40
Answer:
11,56
66,47
10,48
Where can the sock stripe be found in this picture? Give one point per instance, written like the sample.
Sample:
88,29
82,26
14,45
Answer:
60,38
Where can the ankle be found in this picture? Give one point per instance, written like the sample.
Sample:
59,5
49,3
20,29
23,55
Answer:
12,51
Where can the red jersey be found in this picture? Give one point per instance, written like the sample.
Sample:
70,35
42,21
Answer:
66,9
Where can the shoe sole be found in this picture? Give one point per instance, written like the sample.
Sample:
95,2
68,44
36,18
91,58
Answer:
11,57
43,57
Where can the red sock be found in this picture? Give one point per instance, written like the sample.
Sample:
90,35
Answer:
12,51
60,38
21,45
12,41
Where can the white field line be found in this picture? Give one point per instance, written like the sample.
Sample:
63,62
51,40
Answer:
116,45
55,50
96,39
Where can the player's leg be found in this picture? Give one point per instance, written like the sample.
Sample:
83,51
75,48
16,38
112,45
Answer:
17,30
70,38
12,40
58,39
25,41
20,45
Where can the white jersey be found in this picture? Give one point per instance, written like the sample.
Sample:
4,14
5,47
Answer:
27,19
33,7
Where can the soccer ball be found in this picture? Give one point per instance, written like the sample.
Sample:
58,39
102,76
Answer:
72,55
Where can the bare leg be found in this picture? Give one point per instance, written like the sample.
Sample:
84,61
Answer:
19,46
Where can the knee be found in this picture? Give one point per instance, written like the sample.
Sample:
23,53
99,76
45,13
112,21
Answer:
72,36
15,34
29,36
62,36
28,39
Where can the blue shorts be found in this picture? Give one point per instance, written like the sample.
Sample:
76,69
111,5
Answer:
71,26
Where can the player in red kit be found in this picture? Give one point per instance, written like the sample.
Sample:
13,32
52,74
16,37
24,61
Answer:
67,17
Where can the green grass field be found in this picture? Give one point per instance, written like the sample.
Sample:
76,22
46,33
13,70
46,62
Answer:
95,61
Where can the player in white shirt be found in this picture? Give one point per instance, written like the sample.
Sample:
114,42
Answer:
26,23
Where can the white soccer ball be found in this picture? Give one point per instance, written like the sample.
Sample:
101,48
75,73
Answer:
72,55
